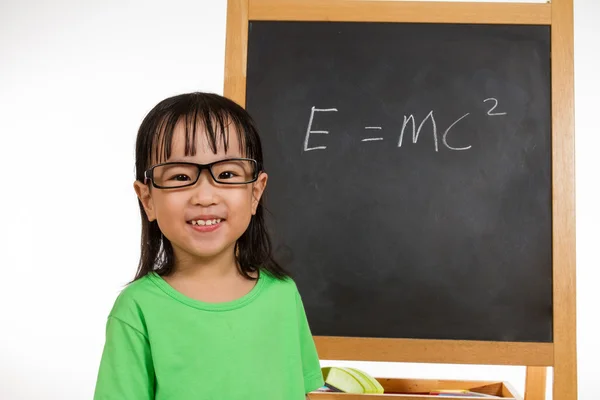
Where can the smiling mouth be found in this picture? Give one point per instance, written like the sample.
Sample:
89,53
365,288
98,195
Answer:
206,222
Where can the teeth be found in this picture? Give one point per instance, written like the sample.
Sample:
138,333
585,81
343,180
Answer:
208,222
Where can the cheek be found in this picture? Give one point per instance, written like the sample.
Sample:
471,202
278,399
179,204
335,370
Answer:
241,206
169,206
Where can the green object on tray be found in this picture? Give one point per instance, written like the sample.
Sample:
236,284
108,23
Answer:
350,380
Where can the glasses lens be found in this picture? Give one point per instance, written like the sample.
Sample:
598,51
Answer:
234,171
175,175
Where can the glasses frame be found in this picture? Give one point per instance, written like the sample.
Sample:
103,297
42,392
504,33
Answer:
149,173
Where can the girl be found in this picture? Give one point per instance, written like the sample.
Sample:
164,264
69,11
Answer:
210,314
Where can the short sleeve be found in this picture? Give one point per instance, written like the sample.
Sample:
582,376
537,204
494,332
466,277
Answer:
126,369
311,368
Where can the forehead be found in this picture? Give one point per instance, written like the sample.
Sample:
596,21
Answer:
199,140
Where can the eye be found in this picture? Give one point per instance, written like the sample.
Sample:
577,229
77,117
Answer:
231,171
180,178
227,175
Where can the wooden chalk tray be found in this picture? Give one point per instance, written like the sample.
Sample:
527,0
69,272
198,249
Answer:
419,389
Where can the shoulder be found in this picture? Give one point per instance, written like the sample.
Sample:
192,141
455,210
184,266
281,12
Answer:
285,285
133,292
130,303
282,291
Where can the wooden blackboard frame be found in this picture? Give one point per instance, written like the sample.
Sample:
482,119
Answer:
561,353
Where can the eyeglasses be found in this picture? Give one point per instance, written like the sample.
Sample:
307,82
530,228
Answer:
171,175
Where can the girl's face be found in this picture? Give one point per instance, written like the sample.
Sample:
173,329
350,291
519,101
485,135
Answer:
175,209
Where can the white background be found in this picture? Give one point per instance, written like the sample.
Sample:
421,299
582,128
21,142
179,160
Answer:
76,79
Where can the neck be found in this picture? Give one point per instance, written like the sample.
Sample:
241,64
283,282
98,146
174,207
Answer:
218,266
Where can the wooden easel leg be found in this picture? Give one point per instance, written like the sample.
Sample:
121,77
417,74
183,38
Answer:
535,383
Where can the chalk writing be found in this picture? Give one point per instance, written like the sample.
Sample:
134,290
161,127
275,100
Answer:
309,131
493,108
415,134
408,124
446,134
374,138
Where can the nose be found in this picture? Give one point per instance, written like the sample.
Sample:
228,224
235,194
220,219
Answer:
205,190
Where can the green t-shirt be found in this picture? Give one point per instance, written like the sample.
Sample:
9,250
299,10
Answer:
161,344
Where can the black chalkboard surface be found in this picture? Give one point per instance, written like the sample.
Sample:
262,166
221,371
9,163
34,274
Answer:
410,175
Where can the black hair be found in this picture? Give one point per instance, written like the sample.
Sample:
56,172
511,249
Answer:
215,114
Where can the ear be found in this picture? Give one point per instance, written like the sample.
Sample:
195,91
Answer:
258,189
143,193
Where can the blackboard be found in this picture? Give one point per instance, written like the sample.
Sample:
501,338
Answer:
441,231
